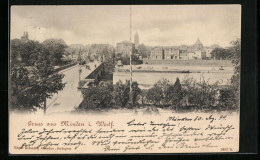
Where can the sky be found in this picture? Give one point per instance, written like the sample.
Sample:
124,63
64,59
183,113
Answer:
157,25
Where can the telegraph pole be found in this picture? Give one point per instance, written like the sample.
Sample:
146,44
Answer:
80,69
131,91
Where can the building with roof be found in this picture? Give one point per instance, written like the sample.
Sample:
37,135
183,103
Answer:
125,48
182,52
100,49
157,53
208,51
171,52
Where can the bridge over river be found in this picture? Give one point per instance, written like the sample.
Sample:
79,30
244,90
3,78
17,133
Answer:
70,97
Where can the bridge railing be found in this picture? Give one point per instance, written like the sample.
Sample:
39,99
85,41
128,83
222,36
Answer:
92,77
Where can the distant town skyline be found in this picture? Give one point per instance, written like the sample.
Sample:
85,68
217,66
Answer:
157,25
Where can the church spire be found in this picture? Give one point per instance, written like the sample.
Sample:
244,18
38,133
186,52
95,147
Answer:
198,41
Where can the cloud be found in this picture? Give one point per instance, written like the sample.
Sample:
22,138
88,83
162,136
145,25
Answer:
156,24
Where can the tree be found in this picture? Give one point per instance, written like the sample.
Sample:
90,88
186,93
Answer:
174,94
56,47
164,84
235,52
230,96
227,98
220,53
20,89
33,78
26,52
30,89
15,51
125,60
158,93
136,92
45,82
201,95
135,60
154,95
97,97
143,50
121,93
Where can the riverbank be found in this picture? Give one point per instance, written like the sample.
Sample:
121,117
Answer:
155,71
165,68
147,75
197,62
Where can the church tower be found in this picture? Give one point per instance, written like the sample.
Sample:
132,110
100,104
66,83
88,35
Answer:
25,37
198,45
136,39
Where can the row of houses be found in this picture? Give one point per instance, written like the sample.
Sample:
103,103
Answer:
183,52
125,48
93,50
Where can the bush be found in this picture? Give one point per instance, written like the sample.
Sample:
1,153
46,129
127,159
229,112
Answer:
175,94
190,95
106,95
135,60
97,97
158,93
228,99
121,93
201,95
154,95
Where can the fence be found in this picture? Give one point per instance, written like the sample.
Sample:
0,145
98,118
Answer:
64,67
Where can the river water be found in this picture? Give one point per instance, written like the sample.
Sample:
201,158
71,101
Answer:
147,79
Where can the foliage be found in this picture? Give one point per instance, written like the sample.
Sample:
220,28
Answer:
136,92
174,94
164,85
45,81
220,53
234,98
201,95
27,52
29,89
20,89
188,95
97,97
106,95
135,60
33,79
57,48
143,50
158,93
154,95
235,51
165,93
228,99
121,93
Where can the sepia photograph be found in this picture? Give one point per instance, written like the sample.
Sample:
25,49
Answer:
124,79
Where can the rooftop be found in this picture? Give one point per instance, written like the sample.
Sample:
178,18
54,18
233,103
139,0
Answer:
125,42
198,41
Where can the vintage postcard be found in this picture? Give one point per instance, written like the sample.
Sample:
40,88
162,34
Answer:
120,79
